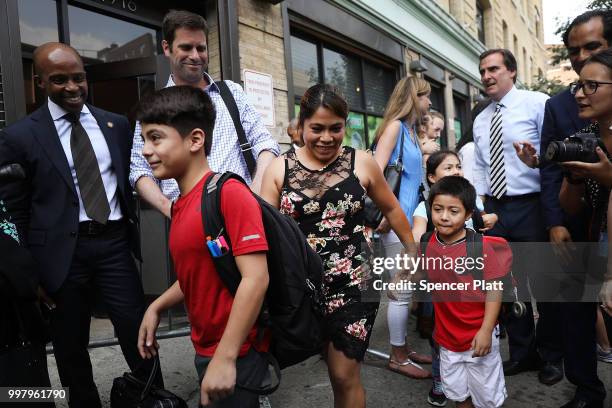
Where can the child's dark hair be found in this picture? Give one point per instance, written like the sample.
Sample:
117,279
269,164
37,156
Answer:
455,186
322,95
435,159
182,107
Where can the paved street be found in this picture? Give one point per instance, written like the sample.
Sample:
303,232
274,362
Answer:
307,386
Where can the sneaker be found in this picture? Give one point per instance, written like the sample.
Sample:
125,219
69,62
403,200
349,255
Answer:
604,356
264,402
436,395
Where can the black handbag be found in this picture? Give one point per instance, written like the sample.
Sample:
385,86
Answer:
393,175
131,392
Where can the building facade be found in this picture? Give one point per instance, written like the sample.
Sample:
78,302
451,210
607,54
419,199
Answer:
362,46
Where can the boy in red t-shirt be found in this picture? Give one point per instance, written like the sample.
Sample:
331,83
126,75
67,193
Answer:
177,125
466,308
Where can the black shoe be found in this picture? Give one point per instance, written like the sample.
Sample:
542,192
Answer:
516,367
551,373
578,403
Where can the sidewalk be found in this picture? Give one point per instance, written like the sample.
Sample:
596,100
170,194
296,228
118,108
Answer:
307,385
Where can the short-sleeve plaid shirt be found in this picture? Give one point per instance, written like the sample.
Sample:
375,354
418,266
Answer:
225,154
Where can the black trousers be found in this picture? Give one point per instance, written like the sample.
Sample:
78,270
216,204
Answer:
580,358
102,263
520,220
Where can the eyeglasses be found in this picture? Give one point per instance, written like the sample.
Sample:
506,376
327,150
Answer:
588,87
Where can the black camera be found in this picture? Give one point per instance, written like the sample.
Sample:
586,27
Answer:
579,147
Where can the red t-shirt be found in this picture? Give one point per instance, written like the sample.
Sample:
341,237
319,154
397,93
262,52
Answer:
207,299
460,312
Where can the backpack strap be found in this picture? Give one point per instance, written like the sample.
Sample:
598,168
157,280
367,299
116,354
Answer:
245,146
214,225
425,238
430,226
474,249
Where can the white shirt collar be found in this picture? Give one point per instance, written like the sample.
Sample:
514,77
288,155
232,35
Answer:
208,78
57,112
509,98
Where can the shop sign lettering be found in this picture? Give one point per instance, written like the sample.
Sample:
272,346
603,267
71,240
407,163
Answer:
122,4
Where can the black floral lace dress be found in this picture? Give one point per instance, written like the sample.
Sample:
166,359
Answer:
328,206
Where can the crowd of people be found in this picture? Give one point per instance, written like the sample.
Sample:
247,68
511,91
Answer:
67,172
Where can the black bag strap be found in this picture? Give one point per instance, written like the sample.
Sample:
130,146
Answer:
149,384
245,146
214,225
425,238
400,158
430,226
474,248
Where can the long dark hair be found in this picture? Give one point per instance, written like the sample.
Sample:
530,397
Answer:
435,159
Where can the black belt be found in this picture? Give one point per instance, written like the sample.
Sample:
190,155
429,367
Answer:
95,228
507,198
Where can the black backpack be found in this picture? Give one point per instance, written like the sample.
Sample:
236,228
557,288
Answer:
291,306
477,220
474,248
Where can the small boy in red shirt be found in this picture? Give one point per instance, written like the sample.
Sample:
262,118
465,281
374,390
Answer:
177,127
466,308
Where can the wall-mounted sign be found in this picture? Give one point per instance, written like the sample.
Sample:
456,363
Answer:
122,4
259,91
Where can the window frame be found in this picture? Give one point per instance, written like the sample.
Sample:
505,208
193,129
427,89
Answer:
322,42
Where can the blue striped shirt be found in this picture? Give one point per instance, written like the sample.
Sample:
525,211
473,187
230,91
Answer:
225,154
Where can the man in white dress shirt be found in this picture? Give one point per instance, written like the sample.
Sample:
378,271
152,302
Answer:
511,190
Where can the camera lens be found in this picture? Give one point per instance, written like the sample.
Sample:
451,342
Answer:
553,151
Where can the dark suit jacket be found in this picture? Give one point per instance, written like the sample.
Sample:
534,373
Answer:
560,121
46,205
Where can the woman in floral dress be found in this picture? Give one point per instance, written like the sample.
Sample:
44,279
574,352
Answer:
323,186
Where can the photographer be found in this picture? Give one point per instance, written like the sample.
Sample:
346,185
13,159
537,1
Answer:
592,181
23,360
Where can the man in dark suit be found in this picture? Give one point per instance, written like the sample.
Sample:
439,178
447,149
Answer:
75,212
587,34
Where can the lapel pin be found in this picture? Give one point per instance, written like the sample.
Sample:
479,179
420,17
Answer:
110,124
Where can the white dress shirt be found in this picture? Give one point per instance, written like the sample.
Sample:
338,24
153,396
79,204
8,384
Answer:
522,117
225,154
109,178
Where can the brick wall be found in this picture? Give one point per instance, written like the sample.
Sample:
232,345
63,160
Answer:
260,33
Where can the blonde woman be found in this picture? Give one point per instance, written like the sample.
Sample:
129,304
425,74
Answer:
397,136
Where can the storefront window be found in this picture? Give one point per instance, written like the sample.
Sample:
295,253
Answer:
345,72
37,23
355,131
304,61
373,123
461,116
366,85
379,84
119,40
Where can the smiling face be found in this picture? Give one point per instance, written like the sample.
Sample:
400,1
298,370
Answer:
597,106
584,40
188,55
322,134
448,215
62,76
167,152
497,79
